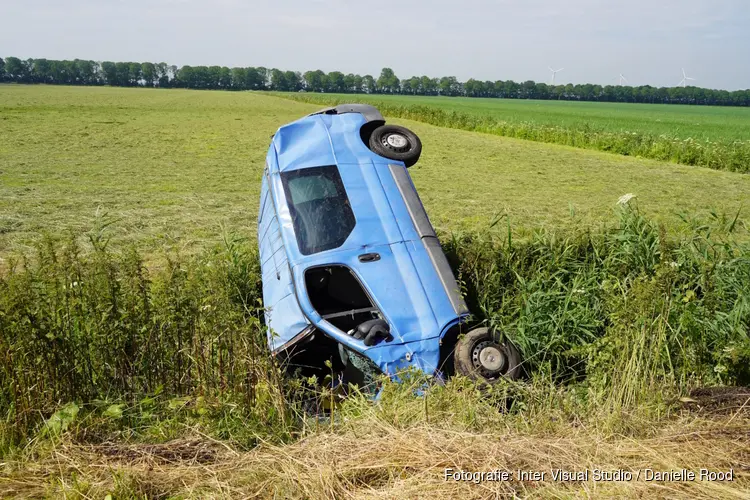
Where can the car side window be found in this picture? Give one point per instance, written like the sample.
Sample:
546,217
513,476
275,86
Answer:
321,213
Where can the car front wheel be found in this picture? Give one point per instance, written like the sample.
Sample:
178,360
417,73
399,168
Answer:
396,143
479,356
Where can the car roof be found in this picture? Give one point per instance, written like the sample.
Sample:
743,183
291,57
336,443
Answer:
327,137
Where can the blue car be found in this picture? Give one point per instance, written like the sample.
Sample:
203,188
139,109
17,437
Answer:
354,278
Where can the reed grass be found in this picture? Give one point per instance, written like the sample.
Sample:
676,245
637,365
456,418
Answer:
619,315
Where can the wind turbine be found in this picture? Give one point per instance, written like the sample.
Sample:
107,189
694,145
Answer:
623,79
554,72
685,78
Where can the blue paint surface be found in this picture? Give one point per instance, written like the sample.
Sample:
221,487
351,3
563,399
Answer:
404,283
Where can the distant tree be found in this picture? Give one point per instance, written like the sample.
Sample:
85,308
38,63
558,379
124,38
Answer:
449,86
596,92
473,88
87,72
497,88
489,88
123,74
336,82
41,71
311,81
405,87
128,74
239,75
349,83
60,72
370,86
293,81
109,73
185,77
388,83
528,89
411,86
586,92
428,85
314,81
132,75
202,77
163,75
16,70
265,76
358,84
278,81
211,77
225,78
255,79
541,91
65,72
27,64
148,74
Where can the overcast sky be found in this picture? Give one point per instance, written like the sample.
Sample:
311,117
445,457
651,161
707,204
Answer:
648,41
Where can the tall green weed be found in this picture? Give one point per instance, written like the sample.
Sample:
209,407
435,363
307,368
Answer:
616,316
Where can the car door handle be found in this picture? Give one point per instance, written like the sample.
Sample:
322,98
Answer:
369,257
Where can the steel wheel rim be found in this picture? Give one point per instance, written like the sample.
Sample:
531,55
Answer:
396,142
489,359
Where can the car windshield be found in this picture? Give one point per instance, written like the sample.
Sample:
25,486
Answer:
321,213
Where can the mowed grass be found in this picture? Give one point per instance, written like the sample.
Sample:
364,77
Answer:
175,166
172,166
467,179
683,121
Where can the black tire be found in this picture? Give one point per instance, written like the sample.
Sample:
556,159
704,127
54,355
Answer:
386,141
468,363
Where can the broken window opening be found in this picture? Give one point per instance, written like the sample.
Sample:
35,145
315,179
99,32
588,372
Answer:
337,295
321,213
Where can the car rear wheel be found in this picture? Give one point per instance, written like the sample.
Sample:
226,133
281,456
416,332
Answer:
479,356
396,143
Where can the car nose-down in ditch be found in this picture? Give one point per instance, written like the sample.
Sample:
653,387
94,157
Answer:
352,269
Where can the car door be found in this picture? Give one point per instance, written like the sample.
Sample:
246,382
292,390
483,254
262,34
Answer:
358,229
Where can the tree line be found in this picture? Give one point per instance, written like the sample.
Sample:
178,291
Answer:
134,74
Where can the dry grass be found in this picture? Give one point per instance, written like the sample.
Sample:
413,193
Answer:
377,460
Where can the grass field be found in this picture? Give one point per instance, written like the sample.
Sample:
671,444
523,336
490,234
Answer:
137,367
716,138
697,122
173,166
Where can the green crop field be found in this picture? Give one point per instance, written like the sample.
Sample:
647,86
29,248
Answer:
710,137
697,122
175,166
133,353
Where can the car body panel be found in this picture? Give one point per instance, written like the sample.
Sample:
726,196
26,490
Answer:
283,314
408,282
392,282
